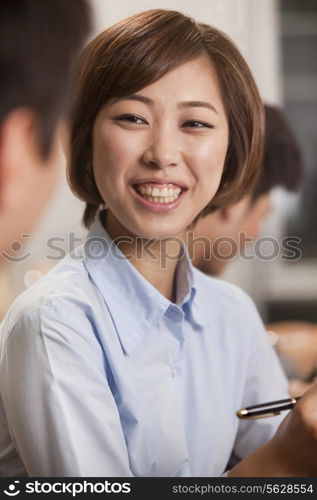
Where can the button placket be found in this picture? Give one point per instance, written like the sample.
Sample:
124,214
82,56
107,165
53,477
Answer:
174,328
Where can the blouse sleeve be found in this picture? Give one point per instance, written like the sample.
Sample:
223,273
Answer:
59,408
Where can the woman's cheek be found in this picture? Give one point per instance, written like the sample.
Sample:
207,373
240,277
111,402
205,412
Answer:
123,151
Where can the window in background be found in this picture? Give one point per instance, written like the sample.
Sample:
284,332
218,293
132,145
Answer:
294,284
299,57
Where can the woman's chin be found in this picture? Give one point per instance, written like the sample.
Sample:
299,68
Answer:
145,227
157,231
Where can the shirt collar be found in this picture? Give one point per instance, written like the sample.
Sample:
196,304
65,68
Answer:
138,305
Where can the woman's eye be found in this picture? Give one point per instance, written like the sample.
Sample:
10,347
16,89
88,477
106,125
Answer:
131,119
197,124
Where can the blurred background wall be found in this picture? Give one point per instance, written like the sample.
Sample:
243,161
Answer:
278,39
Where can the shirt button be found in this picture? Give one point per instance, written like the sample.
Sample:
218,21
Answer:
174,372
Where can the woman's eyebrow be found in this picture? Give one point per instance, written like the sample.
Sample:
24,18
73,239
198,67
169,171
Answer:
186,104
135,97
198,104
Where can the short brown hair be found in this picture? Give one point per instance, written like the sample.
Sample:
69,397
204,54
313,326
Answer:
138,51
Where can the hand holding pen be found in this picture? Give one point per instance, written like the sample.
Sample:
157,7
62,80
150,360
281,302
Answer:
292,450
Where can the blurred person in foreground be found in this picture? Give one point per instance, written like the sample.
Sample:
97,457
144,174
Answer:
296,342
38,42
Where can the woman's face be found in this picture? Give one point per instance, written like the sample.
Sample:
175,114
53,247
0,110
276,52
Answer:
158,155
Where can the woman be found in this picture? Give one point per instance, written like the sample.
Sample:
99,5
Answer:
125,360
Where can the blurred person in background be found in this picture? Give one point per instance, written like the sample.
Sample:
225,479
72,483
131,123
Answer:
229,229
38,43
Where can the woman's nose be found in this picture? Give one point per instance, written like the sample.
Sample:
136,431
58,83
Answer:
162,149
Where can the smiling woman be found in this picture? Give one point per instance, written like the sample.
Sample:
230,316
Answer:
136,54
127,360
163,138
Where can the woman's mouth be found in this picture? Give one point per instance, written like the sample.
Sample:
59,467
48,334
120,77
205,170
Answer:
158,196
162,194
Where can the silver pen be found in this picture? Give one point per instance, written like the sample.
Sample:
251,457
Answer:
267,409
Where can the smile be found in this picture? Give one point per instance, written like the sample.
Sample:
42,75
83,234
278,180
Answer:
158,194
158,197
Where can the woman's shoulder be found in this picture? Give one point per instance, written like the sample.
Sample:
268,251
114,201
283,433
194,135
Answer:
228,310
56,317
63,288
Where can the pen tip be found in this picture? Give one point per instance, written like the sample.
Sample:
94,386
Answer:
242,413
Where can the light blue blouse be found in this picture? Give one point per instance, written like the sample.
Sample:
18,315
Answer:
101,375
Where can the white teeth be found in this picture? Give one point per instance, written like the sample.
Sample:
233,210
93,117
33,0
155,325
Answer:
160,199
156,195
164,192
156,192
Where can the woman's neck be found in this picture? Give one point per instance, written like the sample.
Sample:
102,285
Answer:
159,271
155,259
